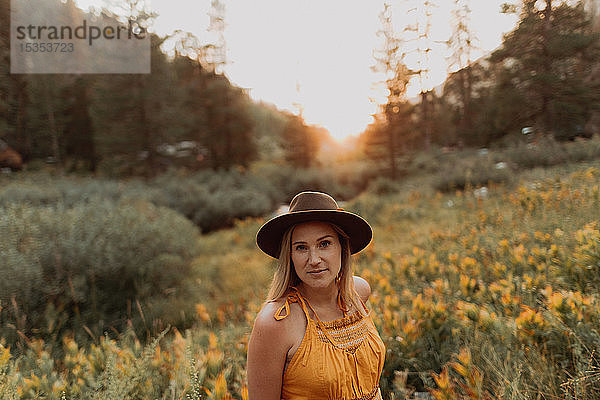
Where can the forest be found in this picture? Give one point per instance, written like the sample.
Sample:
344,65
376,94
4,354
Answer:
544,76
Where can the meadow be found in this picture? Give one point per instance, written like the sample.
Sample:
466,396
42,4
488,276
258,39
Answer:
478,294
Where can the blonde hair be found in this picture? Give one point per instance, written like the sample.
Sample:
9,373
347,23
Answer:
285,275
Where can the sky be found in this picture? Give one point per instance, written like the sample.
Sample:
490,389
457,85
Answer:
318,54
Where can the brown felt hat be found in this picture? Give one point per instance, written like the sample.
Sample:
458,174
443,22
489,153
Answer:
313,206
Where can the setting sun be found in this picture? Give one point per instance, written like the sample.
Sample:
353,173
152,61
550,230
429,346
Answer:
316,58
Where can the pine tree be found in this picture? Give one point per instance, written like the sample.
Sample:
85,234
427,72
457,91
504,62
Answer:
214,113
462,43
127,112
14,96
78,130
228,135
388,138
300,142
547,59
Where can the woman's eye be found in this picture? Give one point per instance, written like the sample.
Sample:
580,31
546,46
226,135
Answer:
325,243
300,247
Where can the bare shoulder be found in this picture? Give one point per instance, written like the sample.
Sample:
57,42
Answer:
265,319
362,287
266,323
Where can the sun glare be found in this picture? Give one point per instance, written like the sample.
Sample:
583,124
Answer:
316,57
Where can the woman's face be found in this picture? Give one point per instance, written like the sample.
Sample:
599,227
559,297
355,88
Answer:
316,253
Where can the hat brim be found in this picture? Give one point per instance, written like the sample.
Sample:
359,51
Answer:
359,231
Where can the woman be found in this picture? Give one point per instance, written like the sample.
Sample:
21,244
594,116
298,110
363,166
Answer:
314,338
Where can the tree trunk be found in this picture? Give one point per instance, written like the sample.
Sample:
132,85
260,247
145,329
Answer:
392,152
426,115
143,125
546,112
52,123
23,138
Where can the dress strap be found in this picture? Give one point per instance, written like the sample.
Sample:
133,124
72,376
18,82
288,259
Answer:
293,297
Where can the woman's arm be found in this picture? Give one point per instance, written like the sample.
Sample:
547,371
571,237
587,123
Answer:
267,349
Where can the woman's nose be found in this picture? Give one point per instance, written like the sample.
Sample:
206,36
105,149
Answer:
313,257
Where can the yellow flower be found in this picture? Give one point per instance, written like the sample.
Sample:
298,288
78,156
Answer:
467,284
445,389
467,262
506,299
529,320
219,391
443,379
221,387
453,258
213,341
202,312
538,235
4,356
410,328
214,360
221,315
245,393
556,300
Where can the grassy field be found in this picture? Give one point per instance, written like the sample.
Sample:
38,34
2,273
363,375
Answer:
478,294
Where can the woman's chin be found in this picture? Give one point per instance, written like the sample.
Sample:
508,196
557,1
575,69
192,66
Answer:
318,281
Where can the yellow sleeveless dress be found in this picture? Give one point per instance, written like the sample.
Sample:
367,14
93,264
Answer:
340,359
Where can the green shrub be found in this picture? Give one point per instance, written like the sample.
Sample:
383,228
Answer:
547,152
288,181
39,190
210,199
383,185
470,174
101,263
214,200
28,193
368,206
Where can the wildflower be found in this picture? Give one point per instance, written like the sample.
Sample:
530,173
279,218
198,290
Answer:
453,258
219,391
529,321
410,328
245,395
202,312
445,390
4,356
556,300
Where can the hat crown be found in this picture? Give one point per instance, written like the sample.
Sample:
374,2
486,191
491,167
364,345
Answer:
307,201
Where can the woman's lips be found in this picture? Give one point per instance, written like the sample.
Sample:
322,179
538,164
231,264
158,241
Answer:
318,271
